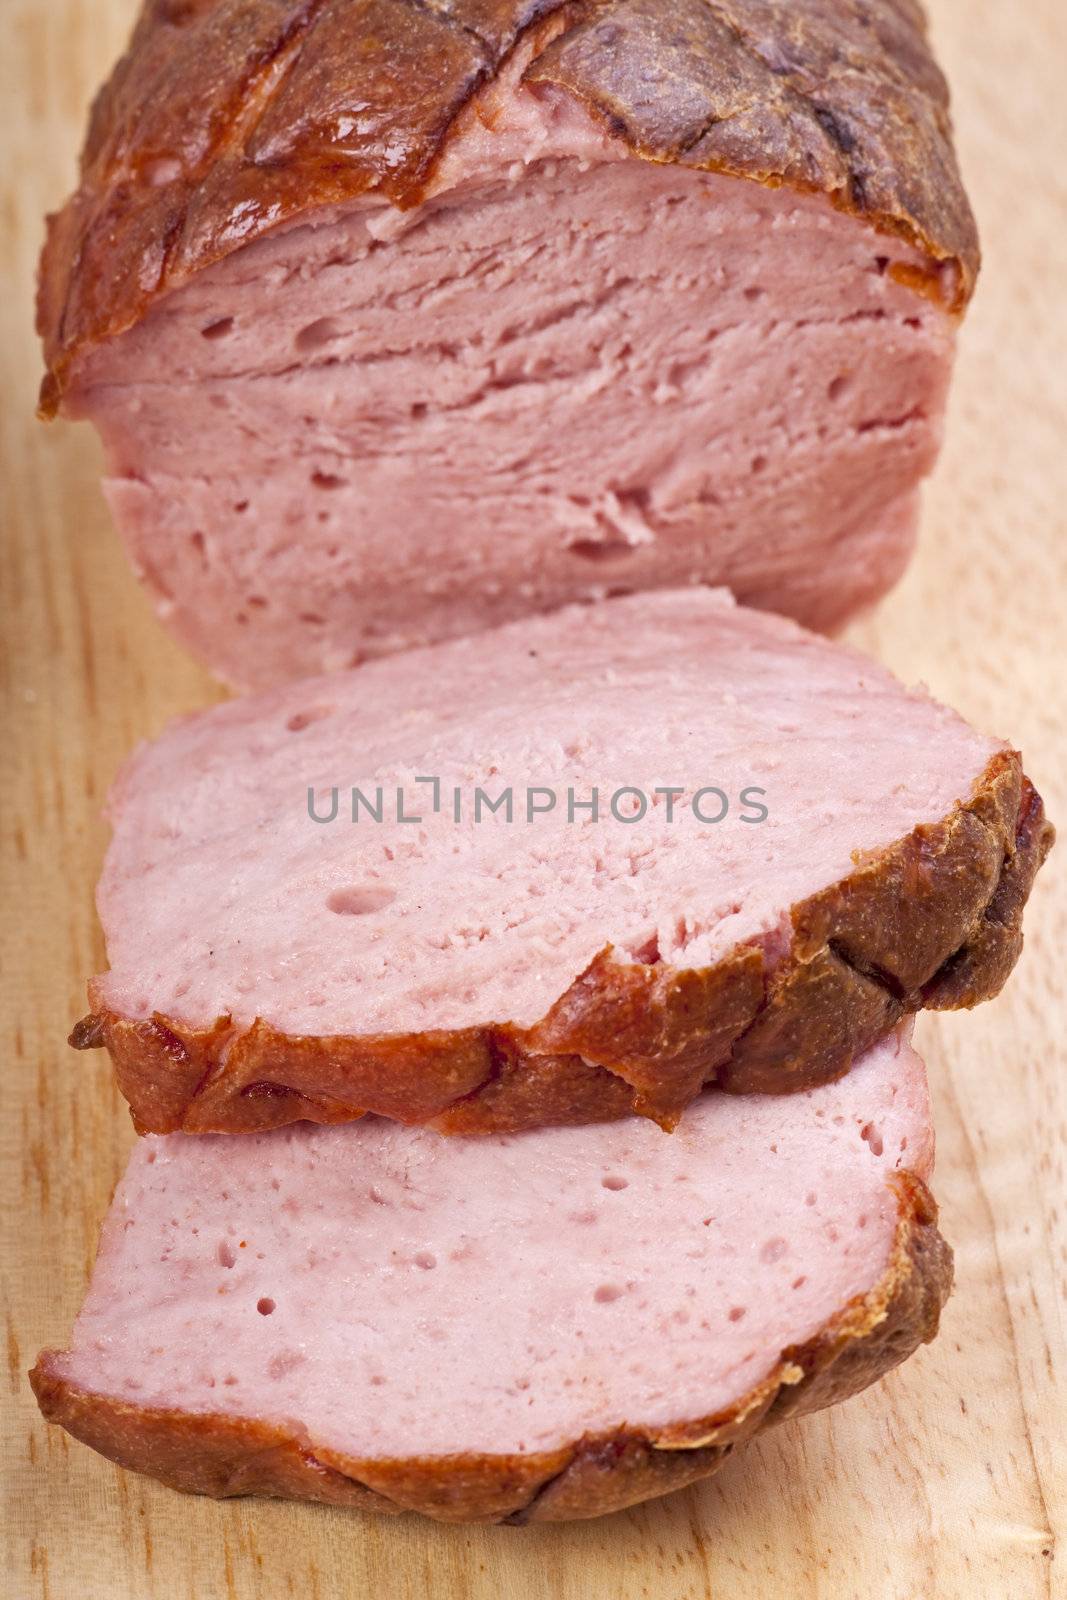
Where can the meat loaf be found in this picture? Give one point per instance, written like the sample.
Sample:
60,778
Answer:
527,1327
401,320
722,850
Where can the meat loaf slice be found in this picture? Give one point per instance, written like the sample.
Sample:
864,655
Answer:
531,964
399,321
544,1325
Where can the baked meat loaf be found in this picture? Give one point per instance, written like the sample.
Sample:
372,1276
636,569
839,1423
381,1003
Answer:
528,1327
312,910
402,320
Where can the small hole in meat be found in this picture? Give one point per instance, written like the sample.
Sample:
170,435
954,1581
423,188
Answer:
418,410
225,1254
327,480
323,331
607,1292
612,1180
798,1283
265,1306
881,264
303,719
600,549
242,505
871,1138
737,1312
257,602
426,1261
217,330
360,899
838,386
759,464
754,292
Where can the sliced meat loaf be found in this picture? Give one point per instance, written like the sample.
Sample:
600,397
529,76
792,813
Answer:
311,911
536,1326
401,321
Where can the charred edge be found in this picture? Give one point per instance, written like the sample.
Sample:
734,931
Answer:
313,1464
869,970
1032,839
279,56
171,240
687,146
455,26
519,1518
835,129
294,30
214,1065
500,1057
89,1033
745,47
172,1043
883,980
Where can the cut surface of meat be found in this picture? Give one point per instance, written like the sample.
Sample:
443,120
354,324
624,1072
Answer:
569,382
312,907
573,355
406,1307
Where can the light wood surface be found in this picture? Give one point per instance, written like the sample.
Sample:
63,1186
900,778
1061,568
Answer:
946,1480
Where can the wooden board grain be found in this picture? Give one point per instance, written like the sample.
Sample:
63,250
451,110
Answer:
949,1479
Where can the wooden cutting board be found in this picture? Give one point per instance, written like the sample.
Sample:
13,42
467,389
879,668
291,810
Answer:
946,1480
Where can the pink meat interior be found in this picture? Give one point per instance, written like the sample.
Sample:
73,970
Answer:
393,1293
569,372
221,896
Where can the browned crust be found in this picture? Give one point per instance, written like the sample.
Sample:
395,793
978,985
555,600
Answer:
222,1456
228,117
933,920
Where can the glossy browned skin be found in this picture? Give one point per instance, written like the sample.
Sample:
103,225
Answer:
228,117
224,1456
933,920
